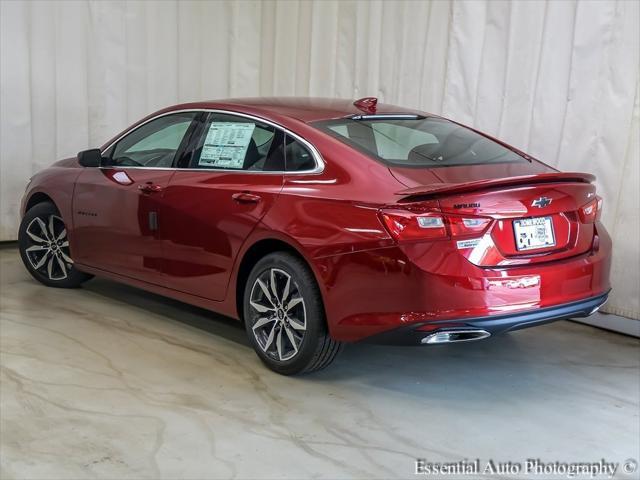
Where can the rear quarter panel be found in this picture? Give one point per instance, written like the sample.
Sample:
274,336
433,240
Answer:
331,214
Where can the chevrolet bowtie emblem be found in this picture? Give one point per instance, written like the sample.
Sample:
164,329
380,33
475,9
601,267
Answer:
541,202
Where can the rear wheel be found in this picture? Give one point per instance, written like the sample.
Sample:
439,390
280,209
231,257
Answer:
284,316
44,248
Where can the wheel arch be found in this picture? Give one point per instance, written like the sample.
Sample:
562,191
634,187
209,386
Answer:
35,198
255,252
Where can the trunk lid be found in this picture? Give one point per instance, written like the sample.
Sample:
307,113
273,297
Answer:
534,218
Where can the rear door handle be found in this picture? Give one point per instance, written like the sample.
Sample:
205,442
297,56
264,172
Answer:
246,197
150,187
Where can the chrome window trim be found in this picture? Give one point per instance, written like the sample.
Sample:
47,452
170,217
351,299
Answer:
319,161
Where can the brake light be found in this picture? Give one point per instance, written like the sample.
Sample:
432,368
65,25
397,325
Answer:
591,212
411,226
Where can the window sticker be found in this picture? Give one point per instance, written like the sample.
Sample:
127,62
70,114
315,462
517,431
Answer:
226,145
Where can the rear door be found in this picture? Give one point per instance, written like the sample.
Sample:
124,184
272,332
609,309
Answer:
229,178
116,207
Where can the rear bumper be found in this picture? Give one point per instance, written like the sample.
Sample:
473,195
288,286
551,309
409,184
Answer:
416,334
373,292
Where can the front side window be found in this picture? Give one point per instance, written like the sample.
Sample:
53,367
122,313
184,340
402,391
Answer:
231,142
154,144
419,143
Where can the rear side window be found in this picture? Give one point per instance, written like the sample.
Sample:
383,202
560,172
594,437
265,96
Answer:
419,143
298,158
230,142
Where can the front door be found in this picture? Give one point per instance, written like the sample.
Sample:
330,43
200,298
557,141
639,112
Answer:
117,208
233,175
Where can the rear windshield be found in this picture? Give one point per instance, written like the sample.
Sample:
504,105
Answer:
421,142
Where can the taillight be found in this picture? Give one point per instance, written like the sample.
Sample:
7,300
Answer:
591,212
410,226
407,226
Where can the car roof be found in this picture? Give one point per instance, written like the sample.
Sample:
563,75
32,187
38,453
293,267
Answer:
305,109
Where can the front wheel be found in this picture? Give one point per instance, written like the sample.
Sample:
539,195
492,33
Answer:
44,248
284,316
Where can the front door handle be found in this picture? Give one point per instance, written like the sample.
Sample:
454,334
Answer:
246,197
150,187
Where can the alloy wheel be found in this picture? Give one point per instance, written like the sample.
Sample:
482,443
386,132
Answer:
48,247
278,317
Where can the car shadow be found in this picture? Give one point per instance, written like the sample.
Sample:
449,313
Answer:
174,310
496,364
518,366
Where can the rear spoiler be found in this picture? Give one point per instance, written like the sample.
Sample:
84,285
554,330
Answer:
440,188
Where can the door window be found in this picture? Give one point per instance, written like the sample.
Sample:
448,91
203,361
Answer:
298,158
154,144
231,142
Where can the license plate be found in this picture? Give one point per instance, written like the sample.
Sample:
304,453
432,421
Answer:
534,233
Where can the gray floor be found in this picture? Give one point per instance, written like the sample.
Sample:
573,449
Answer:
111,382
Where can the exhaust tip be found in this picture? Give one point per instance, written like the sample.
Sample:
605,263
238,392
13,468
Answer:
598,307
451,336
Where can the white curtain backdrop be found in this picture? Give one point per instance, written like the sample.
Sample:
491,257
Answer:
559,79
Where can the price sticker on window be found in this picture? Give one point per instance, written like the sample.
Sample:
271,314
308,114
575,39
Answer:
226,145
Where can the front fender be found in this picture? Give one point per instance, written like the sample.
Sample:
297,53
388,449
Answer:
55,183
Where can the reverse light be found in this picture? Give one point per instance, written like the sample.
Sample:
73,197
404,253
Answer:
431,222
460,226
591,212
404,225
473,222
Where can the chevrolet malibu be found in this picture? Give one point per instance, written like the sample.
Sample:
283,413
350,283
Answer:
320,222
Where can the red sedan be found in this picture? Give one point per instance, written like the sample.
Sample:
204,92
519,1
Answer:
319,222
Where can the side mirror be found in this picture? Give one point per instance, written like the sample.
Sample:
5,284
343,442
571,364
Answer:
90,158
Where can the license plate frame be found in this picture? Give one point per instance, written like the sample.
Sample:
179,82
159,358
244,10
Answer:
533,233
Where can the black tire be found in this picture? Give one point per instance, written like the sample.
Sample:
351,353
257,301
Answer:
301,350
44,248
